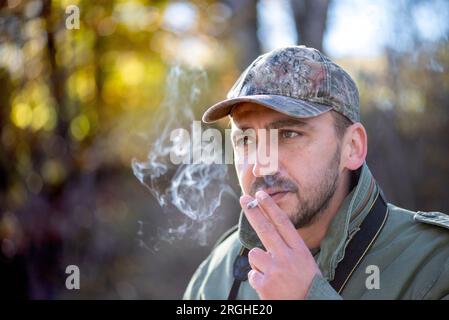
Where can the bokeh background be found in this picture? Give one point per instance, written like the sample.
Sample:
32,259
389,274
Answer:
77,105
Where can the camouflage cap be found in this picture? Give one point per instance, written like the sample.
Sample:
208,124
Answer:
297,81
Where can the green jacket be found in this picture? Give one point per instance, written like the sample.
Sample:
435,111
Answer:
411,253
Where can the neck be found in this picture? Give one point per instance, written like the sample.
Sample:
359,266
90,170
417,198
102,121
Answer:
314,233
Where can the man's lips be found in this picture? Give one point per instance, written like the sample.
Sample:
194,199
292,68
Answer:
272,192
279,195
276,194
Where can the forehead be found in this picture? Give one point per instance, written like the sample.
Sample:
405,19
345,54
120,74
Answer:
249,115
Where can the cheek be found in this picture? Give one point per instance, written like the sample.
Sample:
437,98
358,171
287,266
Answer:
302,164
245,176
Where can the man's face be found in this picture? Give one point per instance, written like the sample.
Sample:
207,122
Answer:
308,167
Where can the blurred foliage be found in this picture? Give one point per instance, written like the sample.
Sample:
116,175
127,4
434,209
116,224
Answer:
74,105
404,98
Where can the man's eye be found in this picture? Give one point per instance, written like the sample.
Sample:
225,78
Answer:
244,141
288,134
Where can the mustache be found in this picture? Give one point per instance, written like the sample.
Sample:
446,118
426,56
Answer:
273,181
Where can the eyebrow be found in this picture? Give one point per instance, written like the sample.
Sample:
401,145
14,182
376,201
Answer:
286,123
279,124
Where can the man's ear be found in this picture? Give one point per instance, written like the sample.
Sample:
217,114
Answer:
355,146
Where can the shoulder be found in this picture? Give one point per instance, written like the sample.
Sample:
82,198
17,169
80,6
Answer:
432,221
413,250
417,235
435,218
419,227
215,273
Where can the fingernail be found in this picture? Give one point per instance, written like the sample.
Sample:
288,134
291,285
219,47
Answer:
261,195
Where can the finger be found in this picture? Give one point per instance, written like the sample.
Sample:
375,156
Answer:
255,279
259,259
280,220
266,231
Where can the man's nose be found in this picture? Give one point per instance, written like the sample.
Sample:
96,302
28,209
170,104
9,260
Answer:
262,170
265,162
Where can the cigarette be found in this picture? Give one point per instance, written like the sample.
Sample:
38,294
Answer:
252,204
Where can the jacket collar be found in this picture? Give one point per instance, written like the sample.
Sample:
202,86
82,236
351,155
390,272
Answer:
346,222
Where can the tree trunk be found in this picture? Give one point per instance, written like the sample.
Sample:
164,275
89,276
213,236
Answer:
243,30
310,17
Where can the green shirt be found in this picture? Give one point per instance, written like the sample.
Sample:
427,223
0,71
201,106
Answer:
411,254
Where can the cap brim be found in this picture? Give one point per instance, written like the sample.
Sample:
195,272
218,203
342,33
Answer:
289,106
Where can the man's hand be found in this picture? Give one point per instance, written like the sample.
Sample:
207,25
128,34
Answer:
286,269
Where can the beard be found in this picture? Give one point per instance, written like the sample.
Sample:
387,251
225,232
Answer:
311,207
313,203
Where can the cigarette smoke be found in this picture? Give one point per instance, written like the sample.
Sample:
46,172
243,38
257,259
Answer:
195,190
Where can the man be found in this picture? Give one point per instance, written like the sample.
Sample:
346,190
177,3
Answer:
321,229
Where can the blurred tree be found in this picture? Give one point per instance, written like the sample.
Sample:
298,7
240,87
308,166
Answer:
419,126
408,117
243,30
310,18
73,109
